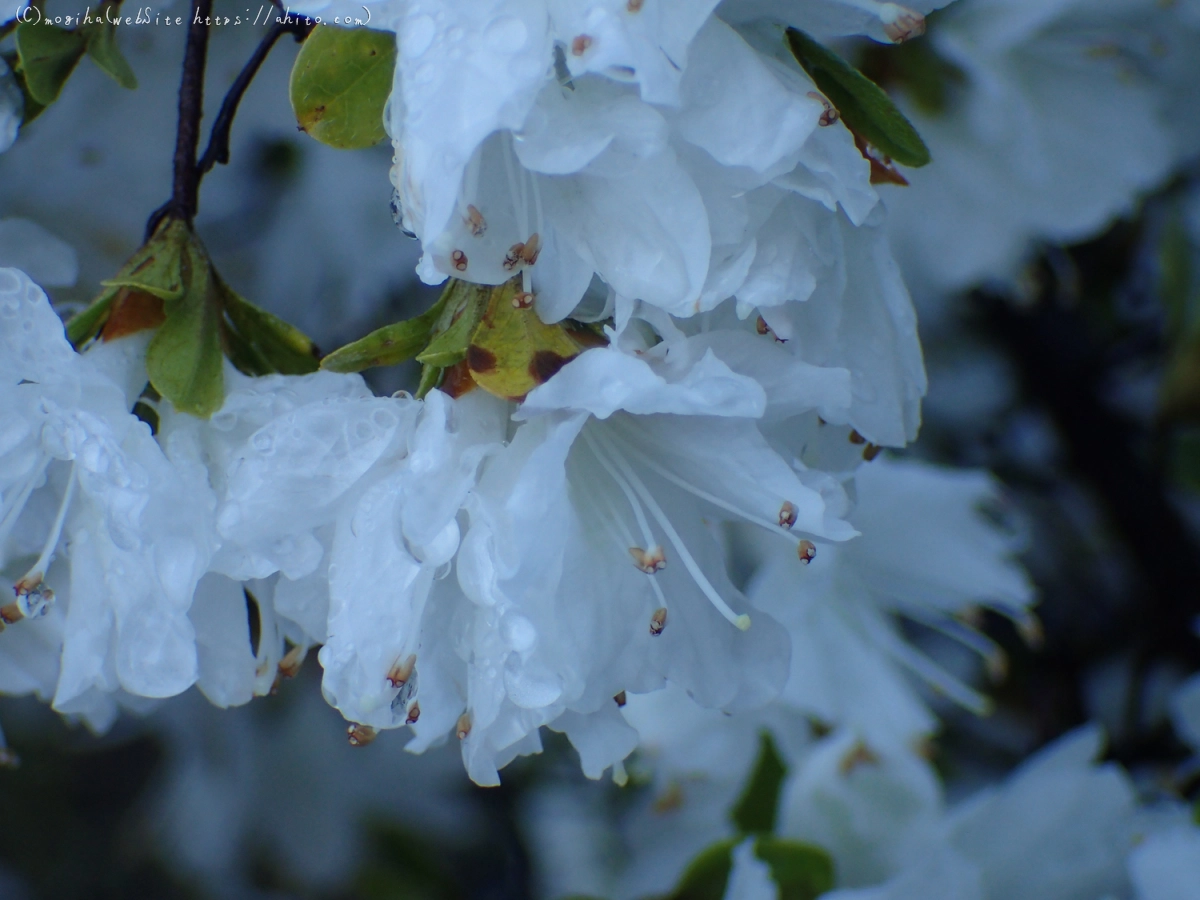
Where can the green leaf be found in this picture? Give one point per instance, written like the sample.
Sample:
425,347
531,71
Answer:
280,346
340,83
465,305
802,871
864,106
706,876
184,357
431,377
756,809
31,109
102,48
47,55
156,266
86,324
386,346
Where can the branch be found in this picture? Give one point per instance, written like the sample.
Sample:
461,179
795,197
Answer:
191,108
217,150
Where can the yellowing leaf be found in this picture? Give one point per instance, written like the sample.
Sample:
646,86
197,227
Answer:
513,351
340,83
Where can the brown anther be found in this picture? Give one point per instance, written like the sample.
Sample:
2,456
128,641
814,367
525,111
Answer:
414,713
829,115
400,672
475,221
658,621
634,5
620,699
649,562
762,327
458,259
361,735
580,45
10,613
806,550
871,451
463,727
906,25
530,249
513,256
787,514
669,800
860,755
522,300
289,666
856,438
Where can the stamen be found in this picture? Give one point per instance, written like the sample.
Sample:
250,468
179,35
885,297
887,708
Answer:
620,699
717,501
934,675
408,690
658,621
649,562
361,735
580,44
634,5
630,496
289,666
856,438
787,514
463,727
830,115
871,451
807,551
859,755
475,221
414,713
740,621
15,503
33,596
458,259
400,671
620,776
522,300
993,656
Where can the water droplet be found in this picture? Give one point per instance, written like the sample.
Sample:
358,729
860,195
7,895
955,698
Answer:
417,37
264,443
506,33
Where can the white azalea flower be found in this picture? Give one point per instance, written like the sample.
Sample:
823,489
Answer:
589,553
139,530
1059,828
926,553
1167,866
882,21
750,877
1026,149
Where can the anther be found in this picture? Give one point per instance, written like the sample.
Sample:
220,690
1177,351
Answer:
649,562
658,621
475,222
459,260
620,699
859,755
513,256
580,45
829,116
361,735
787,514
463,727
634,5
900,24
414,713
530,249
522,300
289,666
856,438
806,550
871,451
401,671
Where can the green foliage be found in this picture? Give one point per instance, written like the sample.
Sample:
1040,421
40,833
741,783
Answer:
707,875
453,333
47,55
102,48
340,83
392,344
184,357
265,343
864,106
802,871
756,810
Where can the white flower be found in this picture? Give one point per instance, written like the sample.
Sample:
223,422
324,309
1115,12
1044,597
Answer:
926,553
1167,866
138,530
889,22
589,554
1050,135
750,877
